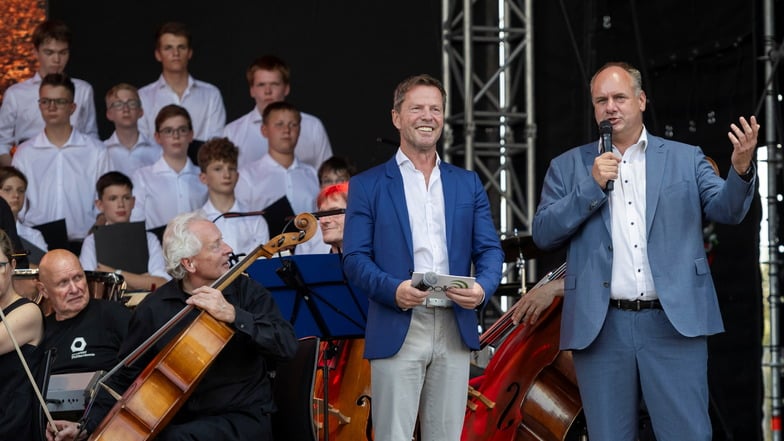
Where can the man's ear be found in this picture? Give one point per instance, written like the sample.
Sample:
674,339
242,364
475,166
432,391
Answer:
42,289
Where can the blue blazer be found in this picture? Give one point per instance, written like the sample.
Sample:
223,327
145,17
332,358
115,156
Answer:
378,252
682,189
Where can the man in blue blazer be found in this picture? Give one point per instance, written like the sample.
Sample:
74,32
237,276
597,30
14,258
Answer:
415,213
639,301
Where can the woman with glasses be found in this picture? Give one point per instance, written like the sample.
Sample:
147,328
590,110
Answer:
22,328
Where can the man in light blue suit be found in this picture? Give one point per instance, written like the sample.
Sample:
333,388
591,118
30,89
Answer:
639,299
416,213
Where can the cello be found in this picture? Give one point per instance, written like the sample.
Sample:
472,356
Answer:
529,390
156,395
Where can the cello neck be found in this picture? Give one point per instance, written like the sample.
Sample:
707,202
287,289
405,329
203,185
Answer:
504,324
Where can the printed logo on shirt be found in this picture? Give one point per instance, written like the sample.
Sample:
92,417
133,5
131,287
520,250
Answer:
78,346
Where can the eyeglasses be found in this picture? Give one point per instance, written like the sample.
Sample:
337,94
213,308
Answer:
169,131
130,104
59,102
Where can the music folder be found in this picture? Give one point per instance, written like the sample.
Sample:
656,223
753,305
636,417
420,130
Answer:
123,246
55,234
278,216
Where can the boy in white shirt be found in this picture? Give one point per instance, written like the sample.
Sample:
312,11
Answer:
61,164
20,118
128,147
171,185
176,86
269,81
244,231
116,201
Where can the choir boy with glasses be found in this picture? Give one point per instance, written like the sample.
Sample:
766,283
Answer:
19,116
170,185
61,164
129,148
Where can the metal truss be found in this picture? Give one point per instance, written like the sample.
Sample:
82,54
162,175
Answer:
489,124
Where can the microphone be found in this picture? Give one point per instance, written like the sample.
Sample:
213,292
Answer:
605,129
429,280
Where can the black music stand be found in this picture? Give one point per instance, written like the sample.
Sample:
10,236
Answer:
313,293
315,296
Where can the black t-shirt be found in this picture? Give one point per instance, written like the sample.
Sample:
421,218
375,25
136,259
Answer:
91,340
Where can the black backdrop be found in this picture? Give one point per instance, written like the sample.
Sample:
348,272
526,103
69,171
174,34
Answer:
698,60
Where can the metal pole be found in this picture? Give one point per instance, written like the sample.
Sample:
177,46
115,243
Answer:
773,154
468,98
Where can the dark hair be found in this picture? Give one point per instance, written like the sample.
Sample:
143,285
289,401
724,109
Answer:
9,171
58,80
5,245
51,30
170,111
338,165
271,63
217,149
174,28
277,106
112,178
410,82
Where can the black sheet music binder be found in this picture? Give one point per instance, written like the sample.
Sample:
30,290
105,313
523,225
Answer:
278,216
123,246
313,294
55,234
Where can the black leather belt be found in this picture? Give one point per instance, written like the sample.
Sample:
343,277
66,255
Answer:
635,305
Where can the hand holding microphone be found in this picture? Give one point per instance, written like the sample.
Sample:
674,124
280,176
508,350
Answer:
602,167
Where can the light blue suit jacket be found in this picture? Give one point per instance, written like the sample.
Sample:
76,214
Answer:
682,189
378,250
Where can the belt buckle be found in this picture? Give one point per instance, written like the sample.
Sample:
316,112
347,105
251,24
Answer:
638,304
434,302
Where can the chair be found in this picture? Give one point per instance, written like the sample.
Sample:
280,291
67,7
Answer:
293,393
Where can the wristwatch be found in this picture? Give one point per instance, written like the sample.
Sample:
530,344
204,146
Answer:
118,272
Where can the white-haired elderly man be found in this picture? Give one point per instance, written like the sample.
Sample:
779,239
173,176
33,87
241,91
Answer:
234,399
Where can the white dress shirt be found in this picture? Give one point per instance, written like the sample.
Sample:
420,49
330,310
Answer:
61,180
242,234
631,271
425,204
127,161
312,146
20,116
161,193
155,263
264,181
202,100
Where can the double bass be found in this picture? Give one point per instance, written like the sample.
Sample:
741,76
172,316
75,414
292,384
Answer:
529,389
347,388
165,384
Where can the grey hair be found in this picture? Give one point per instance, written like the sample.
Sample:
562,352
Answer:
631,70
179,242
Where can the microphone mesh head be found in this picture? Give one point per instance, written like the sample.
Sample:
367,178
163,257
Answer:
430,278
605,127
